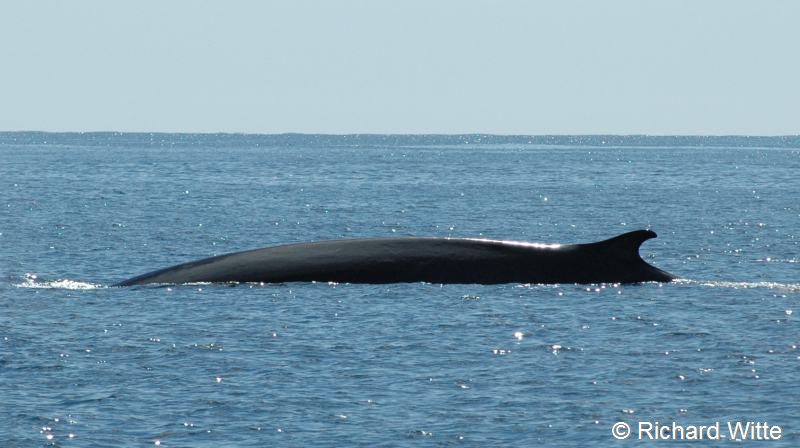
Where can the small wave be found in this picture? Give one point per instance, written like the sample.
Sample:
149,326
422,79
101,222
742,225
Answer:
790,287
33,281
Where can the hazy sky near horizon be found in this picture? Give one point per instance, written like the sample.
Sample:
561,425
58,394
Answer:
412,66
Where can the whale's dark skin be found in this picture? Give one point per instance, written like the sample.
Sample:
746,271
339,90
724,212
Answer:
433,260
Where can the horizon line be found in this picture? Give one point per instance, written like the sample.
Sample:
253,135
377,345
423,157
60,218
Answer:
443,134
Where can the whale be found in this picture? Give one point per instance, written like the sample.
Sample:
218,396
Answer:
423,259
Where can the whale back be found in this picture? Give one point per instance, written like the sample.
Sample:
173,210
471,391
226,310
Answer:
433,260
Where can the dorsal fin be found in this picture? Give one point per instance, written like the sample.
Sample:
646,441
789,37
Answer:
627,244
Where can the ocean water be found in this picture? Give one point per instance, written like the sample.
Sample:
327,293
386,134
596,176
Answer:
84,364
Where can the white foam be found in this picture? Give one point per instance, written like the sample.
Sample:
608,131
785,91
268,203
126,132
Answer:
790,287
32,281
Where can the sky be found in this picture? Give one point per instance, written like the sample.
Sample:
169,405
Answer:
689,67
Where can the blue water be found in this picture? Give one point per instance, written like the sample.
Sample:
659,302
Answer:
82,364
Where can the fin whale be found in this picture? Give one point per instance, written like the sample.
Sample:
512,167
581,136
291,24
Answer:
425,259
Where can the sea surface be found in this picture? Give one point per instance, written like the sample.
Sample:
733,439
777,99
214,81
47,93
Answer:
318,364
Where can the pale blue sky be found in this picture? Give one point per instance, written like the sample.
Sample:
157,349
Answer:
504,67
